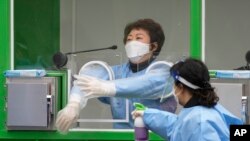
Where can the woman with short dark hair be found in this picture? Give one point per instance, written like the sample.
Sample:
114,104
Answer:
141,79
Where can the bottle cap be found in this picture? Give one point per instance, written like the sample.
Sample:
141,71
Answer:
139,106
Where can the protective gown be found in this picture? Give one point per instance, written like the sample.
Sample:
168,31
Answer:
143,87
197,123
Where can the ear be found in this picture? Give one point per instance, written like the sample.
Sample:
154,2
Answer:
153,46
181,88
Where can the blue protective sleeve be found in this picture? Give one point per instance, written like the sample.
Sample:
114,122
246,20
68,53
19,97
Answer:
160,122
150,85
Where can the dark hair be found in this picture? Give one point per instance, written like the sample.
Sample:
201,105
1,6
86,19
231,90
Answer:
196,72
153,28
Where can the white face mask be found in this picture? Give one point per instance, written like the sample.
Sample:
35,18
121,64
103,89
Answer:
135,59
135,50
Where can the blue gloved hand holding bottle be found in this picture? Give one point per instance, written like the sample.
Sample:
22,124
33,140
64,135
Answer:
141,132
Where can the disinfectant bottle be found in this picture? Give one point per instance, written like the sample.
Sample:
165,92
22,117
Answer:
141,132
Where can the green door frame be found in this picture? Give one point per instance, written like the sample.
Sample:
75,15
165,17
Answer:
195,51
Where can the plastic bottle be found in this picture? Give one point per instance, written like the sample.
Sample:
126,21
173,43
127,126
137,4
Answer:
141,132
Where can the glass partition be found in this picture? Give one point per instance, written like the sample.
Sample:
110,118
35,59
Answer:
41,28
93,24
36,33
227,33
97,113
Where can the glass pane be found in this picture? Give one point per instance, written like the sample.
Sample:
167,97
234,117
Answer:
227,33
93,24
97,114
88,25
36,33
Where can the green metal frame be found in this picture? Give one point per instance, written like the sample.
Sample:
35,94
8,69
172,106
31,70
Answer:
62,87
4,56
195,51
195,28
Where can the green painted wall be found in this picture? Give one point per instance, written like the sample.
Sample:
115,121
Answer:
36,32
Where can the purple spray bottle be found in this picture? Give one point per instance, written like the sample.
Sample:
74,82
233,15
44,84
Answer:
141,132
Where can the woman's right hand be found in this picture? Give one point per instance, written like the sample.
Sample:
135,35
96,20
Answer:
137,113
